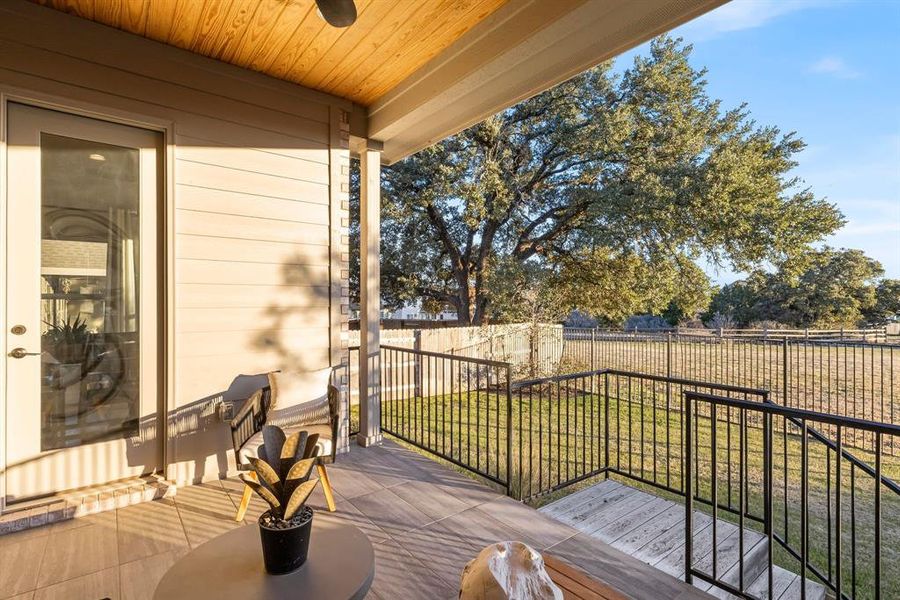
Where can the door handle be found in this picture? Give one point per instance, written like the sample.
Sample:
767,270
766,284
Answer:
22,353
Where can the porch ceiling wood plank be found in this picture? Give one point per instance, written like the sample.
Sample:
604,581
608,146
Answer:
288,40
379,68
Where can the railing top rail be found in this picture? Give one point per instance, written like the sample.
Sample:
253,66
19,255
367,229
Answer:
646,376
740,389
797,413
457,357
554,379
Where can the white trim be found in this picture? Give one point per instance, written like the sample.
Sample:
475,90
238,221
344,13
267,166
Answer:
3,327
166,231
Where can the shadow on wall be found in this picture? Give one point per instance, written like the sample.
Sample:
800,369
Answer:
293,338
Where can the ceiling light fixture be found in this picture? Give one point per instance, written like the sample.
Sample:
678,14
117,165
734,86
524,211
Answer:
338,13
98,157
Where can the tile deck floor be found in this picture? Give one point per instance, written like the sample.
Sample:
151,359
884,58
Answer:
425,523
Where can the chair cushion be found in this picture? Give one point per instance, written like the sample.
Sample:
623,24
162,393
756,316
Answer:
251,447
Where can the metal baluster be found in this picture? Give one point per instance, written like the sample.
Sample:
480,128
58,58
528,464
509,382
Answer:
714,483
606,425
643,428
768,495
630,432
853,528
558,435
668,409
838,461
742,429
509,434
540,438
478,417
687,473
804,506
828,507
568,433
877,515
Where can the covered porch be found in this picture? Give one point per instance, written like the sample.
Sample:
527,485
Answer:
251,118
425,522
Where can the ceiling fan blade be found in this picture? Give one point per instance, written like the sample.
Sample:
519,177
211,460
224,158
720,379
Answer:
338,13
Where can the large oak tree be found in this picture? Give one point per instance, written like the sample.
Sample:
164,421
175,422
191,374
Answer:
633,173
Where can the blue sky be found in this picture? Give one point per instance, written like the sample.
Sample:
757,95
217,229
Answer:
829,70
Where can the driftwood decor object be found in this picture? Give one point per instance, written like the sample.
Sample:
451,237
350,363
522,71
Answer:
507,571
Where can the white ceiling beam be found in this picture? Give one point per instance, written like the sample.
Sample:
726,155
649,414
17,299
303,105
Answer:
522,49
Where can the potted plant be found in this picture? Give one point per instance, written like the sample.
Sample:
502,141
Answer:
66,346
67,343
282,479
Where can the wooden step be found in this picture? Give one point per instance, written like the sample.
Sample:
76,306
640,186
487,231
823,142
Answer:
651,529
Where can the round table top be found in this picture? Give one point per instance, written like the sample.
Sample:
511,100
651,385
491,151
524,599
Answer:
340,566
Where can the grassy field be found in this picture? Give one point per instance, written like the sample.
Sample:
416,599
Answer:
560,437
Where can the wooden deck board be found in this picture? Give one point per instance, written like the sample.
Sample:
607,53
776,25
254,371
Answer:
651,529
425,522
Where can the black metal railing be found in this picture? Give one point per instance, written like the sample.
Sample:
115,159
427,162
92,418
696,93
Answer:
809,487
573,427
728,450
455,407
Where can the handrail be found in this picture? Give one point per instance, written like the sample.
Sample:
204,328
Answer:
859,464
446,356
798,413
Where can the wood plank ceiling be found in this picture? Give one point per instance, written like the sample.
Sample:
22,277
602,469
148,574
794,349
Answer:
287,39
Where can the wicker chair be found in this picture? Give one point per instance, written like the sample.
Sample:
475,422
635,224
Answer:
318,417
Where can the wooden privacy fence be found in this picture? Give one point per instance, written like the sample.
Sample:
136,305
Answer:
531,350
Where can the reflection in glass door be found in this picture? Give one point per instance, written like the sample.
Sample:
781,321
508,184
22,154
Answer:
81,290
90,239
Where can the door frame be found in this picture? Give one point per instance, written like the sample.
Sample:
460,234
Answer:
165,257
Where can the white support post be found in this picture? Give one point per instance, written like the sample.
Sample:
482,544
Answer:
370,297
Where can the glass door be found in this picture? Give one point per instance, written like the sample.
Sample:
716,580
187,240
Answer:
81,290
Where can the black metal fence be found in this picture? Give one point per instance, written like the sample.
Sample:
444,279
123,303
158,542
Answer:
455,407
847,378
572,427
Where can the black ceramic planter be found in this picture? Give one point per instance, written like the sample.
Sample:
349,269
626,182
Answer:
284,550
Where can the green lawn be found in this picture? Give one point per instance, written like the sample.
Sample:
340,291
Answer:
559,437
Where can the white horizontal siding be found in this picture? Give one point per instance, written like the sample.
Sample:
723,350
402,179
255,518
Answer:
251,220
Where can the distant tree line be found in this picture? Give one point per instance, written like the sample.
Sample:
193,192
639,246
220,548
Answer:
826,288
